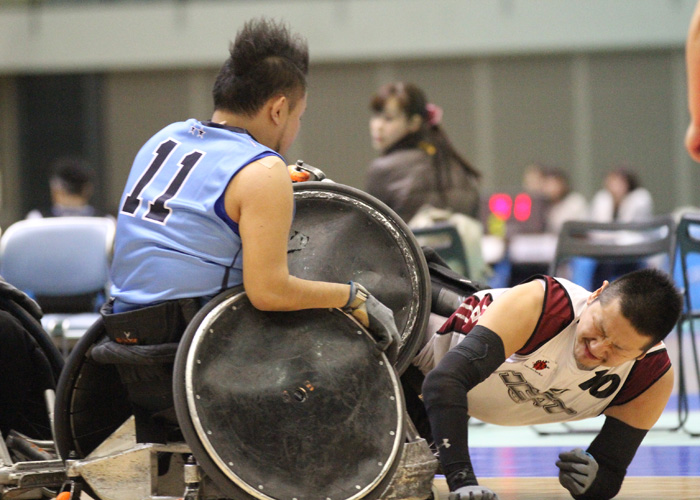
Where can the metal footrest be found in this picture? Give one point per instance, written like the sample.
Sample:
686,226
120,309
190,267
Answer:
414,476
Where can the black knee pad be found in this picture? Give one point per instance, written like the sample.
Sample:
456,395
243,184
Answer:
463,367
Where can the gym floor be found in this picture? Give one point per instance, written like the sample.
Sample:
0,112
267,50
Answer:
548,488
518,463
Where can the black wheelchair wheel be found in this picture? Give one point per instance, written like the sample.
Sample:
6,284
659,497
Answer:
287,405
91,402
340,233
37,332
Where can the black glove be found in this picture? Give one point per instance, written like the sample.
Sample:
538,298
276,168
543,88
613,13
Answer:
20,298
377,318
473,493
577,470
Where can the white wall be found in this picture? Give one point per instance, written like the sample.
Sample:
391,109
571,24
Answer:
184,34
579,83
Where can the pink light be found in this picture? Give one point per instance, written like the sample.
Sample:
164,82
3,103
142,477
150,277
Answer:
500,205
523,207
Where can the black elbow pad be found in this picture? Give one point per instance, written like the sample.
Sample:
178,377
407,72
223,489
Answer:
613,448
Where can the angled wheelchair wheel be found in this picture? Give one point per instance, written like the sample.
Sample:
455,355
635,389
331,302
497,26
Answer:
91,402
35,363
340,233
295,405
37,332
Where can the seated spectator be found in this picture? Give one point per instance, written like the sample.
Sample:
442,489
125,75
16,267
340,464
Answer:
622,199
533,178
417,165
564,204
71,186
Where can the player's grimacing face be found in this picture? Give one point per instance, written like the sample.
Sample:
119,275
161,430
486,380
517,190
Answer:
604,337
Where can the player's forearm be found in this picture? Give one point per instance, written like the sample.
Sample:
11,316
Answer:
694,89
613,448
692,54
289,293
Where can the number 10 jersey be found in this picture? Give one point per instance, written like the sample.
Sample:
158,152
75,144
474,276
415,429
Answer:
541,382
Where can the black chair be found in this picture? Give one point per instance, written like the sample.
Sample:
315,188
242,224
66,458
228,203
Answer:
688,243
648,243
641,243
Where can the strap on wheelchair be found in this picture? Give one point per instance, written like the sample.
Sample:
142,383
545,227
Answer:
158,324
142,345
146,336
449,288
110,352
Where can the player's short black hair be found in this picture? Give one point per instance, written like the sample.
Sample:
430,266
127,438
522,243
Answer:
266,60
649,300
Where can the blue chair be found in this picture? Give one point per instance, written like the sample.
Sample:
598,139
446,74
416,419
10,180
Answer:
62,262
688,250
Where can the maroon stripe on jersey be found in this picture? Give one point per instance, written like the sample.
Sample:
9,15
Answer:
466,315
644,374
557,314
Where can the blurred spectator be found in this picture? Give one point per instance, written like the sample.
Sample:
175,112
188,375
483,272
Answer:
622,199
533,178
71,185
418,165
564,204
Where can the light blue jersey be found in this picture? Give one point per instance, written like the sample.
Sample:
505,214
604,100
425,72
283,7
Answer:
174,238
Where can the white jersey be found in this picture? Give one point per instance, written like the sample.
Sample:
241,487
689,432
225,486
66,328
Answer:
541,382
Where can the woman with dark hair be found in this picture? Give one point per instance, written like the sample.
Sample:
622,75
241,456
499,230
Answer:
564,203
622,199
418,165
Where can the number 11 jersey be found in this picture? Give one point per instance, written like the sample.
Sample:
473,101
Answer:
174,238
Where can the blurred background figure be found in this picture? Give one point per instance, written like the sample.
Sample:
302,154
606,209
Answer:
417,165
533,178
622,199
71,186
564,203
419,174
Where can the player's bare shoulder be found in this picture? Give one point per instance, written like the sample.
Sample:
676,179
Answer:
527,297
270,162
514,314
262,183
